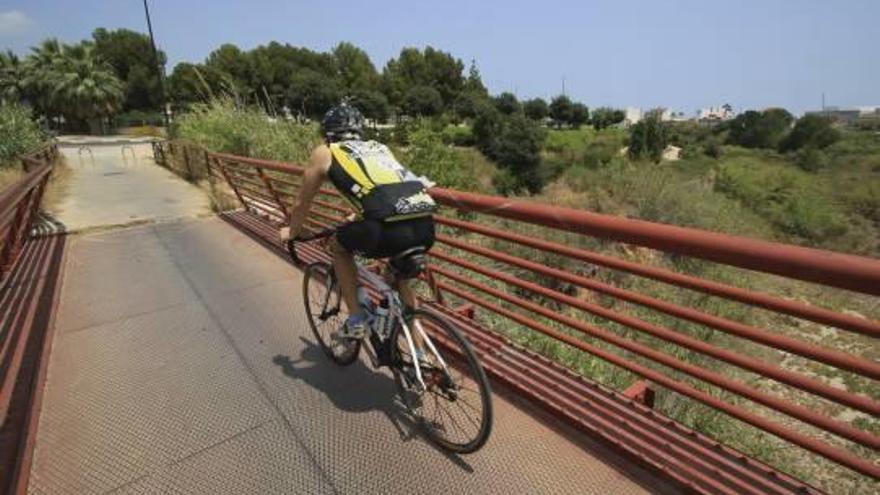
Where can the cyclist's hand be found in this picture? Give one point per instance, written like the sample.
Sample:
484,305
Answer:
284,234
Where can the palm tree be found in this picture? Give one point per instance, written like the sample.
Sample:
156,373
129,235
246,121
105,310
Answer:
83,87
37,75
11,75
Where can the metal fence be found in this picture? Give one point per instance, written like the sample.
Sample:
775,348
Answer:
512,259
20,202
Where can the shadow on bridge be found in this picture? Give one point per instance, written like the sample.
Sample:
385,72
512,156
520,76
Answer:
375,392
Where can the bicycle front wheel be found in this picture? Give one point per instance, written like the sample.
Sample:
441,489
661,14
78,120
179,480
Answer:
323,305
455,409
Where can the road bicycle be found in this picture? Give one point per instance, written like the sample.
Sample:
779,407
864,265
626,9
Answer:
437,374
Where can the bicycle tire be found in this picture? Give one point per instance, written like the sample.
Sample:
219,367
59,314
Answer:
319,274
465,356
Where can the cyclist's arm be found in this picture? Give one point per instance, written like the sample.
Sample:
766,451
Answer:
313,177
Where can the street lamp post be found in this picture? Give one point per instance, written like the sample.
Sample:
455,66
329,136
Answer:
160,69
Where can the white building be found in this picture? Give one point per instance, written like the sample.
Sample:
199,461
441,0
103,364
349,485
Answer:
723,112
667,115
632,115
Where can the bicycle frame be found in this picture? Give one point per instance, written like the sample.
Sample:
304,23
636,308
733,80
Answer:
395,312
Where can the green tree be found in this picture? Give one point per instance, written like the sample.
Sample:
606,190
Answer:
373,104
648,138
432,68
474,82
765,129
236,66
814,131
536,109
604,117
355,70
580,115
515,143
467,103
518,149
311,94
507,103
488,126
131,56
38,74
422,101
561,110
185,85
12,72
84,87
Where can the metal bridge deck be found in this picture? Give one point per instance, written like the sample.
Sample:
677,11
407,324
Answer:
182,363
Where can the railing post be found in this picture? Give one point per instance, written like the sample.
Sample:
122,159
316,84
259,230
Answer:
186,163
208,165
12,245
232,186
272,191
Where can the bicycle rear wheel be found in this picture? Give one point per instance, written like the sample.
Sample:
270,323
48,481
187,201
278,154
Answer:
455,411
323,304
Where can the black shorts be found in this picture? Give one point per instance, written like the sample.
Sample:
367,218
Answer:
377,239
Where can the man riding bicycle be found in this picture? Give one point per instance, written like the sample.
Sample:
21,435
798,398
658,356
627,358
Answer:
392,208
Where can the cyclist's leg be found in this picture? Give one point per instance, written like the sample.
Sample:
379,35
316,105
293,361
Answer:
346,276
356,237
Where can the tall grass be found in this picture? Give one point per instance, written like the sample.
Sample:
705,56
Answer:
224,126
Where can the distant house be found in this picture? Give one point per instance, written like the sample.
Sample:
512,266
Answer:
667,115
716,114
848,116
631,116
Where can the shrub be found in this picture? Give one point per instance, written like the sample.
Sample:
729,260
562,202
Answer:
458,135
428,155
600,151
814,131
765,129
786,197
811,159
222,126
19,133
648,139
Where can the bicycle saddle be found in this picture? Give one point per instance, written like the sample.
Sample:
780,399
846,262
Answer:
409,263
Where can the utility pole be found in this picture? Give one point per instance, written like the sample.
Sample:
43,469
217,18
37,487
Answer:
160,70
563,85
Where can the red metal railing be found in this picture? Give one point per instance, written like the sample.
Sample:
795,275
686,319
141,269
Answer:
483,261
28,281
20,202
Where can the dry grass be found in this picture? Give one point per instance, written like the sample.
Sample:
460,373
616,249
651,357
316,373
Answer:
9,175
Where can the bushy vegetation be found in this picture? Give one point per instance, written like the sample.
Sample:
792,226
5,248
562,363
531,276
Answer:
19,133
766,129
514,142
428,155
648,139
224,126
813,131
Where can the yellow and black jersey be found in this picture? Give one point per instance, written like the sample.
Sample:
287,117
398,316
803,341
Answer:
378,186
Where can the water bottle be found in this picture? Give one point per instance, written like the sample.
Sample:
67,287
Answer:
364,301
379,322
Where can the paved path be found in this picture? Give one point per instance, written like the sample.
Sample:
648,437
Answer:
183,364
116,184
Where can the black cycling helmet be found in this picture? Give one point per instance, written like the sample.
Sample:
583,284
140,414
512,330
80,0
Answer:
342,122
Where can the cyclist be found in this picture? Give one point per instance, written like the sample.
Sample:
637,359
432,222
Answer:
393,211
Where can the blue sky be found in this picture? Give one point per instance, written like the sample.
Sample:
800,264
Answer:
682,54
